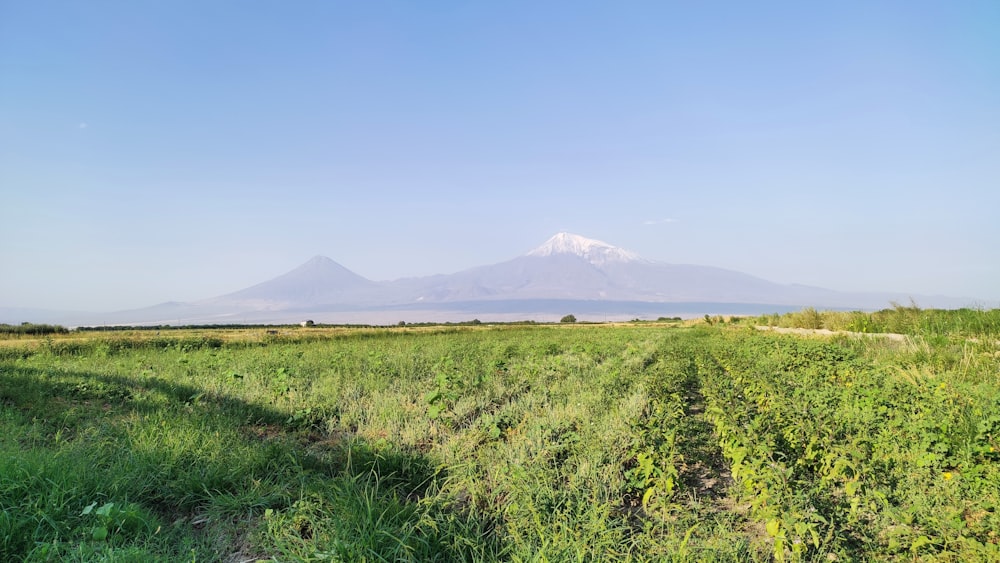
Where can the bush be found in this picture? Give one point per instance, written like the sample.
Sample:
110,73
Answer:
568,319
808,318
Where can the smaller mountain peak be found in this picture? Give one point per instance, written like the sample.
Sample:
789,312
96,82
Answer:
320,263
594,251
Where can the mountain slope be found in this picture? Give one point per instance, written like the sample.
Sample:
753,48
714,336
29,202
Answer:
319,281
558,276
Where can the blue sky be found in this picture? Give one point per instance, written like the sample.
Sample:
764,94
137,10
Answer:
154,151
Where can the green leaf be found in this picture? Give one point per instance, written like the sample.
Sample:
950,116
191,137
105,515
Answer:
105,510
851,487
773,526
647,495
88,508
668,484
441,379
920,542
100,533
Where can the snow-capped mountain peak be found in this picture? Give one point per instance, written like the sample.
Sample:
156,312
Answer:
594,251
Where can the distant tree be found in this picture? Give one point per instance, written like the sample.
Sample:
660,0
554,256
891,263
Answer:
32,328
568,319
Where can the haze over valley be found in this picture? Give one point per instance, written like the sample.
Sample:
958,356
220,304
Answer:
567,274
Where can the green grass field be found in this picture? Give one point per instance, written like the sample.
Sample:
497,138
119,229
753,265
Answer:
633,442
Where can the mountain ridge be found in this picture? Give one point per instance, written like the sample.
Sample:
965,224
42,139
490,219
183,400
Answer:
566,268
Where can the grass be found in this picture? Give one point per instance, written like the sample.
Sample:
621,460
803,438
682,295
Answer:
637,442
900,319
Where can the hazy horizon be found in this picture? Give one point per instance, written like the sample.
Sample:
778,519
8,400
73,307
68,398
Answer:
180,151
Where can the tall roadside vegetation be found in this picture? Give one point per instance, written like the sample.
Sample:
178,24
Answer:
899,319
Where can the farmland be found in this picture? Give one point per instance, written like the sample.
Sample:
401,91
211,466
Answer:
631,442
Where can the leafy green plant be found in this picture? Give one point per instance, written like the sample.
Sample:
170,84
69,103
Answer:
112,519
441,400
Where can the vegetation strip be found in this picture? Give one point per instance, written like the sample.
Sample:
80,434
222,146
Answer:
633,442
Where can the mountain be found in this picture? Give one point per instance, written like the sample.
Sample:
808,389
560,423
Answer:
319,281
573,267
567,273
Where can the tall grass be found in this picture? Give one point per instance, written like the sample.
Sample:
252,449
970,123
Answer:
899,319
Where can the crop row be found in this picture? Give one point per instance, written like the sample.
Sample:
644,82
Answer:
844,458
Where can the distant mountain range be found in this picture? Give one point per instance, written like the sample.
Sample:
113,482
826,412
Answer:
566,274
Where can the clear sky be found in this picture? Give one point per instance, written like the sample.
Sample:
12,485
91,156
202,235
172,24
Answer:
154,151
